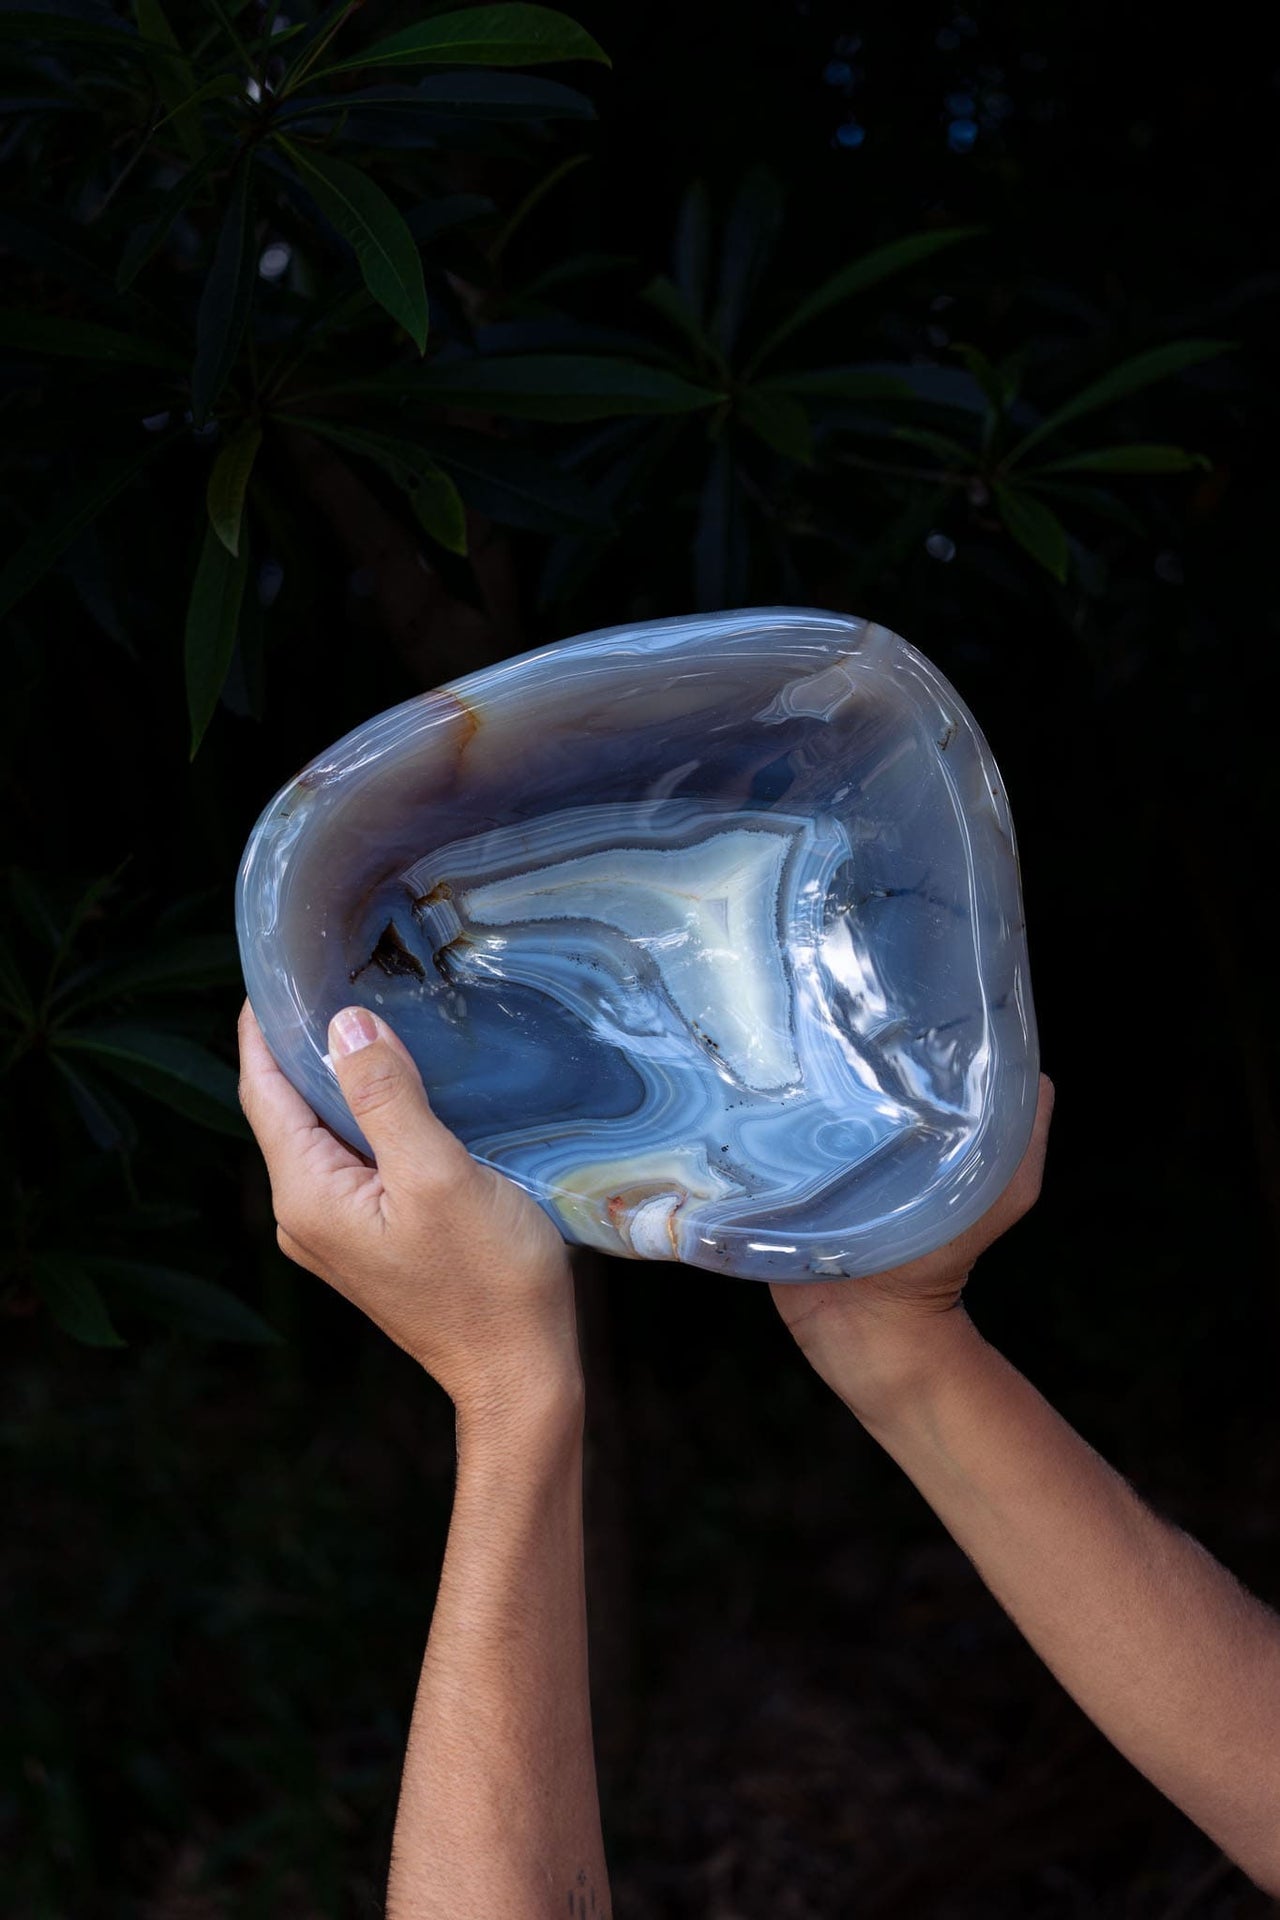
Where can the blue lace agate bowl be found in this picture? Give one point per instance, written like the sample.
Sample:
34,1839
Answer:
706,932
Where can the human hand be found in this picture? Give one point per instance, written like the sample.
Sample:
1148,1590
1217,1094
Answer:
873,1338
458,1265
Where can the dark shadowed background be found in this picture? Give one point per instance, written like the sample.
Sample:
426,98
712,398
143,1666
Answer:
226,1494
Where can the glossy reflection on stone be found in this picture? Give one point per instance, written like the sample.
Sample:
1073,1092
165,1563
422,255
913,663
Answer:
707,932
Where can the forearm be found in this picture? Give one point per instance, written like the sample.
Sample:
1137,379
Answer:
1161,1647
498,1807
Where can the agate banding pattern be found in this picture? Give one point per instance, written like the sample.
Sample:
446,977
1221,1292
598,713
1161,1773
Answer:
707,932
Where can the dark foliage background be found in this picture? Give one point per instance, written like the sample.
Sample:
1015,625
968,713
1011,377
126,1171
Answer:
222,1536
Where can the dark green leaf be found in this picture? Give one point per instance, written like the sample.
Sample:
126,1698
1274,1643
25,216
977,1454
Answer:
81,506
952,452
442,96
837,383
186,1301
860,274
503,36
780,422
169,1067
109,1125
174,82
213,615
515,487
229,482
1036,528
189,965
376,229
667,299
20,23
544,386
1158,363
47,334
691,265
73,1300
148,237
438,505
225,300
720,544
750,234
1137,458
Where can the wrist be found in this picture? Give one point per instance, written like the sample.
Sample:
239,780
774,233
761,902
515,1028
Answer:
526,1408
887,1361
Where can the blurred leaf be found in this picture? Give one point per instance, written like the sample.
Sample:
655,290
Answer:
503,36
25,23
79,507
1089,500
1036,528
192,964
465,95
229,482
544,386
1136,458
186,1301
47,334
866,272
376,229
780,422
993,386
720,543
691,264
750,234
837,383
73,1300
109,1125
213,614
515,487
150,235
1129,377
226,298
953,452
438,505
667,299
169,1067
173,78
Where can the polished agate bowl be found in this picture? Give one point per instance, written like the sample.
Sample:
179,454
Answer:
706,932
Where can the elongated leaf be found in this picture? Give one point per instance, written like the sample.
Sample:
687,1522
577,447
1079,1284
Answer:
953,452
515,487
780,422
691,254
173,78
1036,528
720,543
838,383
1136,458
186,1301
546,386
73,1300
666,298
503,36
15,996
188,965
750,234
432,494
860,274
462,95
213,616
21,23
229,482
225,301
150,235
438,505
109,1125
376,229
83,505
170,1068
1129,377
47,334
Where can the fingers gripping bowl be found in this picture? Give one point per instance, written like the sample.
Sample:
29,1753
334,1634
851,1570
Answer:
707,932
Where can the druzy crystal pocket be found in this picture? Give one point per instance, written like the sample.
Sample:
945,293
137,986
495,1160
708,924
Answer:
707,932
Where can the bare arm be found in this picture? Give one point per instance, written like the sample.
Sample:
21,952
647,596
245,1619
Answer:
1164,1650
498,1808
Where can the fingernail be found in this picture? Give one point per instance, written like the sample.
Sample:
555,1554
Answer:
351,1029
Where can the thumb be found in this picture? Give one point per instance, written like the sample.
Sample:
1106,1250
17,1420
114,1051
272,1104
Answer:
381,1084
